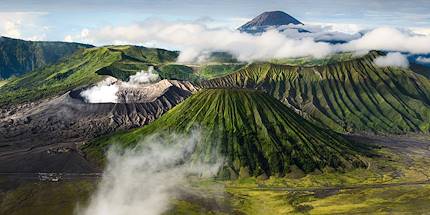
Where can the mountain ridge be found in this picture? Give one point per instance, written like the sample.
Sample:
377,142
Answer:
349,96
83,68
18,57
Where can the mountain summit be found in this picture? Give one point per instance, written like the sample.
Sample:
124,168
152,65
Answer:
268,19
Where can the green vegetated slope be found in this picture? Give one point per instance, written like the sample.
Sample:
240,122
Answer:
18,57
257,135
311,61
82,68
217,70
177,72
420,69
353,95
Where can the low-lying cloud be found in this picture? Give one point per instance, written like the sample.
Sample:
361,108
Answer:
144,180
423,60
394,59
106,91
318,33
390,39
195,40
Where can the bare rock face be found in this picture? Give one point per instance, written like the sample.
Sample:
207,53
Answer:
44,136
150,93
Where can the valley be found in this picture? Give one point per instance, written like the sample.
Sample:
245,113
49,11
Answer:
397,180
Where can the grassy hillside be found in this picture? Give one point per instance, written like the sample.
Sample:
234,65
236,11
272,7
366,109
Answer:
18,57
311,61
353,95
82,68
177,72
217,70
257,134
423,70
198,72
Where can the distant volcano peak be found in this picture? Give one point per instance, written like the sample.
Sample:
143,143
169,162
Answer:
269,19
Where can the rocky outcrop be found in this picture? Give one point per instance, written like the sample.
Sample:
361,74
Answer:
150,93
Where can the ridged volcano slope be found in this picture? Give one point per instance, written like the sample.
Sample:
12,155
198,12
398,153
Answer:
353,95
254,132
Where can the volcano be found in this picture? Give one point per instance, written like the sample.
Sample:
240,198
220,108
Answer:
266,20
255,134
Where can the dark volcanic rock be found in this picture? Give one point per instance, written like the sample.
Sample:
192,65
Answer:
44,136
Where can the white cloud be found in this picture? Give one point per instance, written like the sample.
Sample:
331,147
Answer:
423,60
317,32
144,180
422,31
390,39
195,40
395,59
68,38
11,28
22,25
347,28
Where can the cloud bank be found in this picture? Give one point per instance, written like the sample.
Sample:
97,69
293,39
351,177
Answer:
106,91
394,59
195,40
390,39
143,180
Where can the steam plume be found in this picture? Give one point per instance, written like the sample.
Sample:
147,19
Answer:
144,179
106,91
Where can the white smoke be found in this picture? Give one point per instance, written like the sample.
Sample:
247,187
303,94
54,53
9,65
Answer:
103,92
106,91
144,180
395,59
144,77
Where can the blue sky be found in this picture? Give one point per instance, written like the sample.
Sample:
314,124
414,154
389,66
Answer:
54,20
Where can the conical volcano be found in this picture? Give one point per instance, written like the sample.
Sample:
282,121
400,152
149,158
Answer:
267,20
254,132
